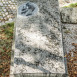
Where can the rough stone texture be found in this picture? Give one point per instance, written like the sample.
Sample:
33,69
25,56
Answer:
38,41
69,15
69,36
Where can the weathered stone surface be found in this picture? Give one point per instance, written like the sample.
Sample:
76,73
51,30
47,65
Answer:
69,15
69,36
38,40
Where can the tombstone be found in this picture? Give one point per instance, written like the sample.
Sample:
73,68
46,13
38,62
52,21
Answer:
38,40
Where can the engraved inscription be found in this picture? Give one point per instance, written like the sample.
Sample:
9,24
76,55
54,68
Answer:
28,9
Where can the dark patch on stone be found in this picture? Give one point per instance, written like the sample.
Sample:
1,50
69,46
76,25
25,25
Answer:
29,49
28,9
37,63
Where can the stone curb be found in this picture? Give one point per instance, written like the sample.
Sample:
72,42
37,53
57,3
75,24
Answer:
68,15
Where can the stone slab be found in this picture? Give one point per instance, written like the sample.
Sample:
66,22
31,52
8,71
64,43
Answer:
69,36
38,40
69,15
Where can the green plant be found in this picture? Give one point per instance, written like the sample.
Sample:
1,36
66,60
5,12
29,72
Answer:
6,38
72,5
9,29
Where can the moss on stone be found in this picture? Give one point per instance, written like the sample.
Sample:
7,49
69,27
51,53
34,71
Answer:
72,5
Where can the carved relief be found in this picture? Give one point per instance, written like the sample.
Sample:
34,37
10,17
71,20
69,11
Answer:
28,9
